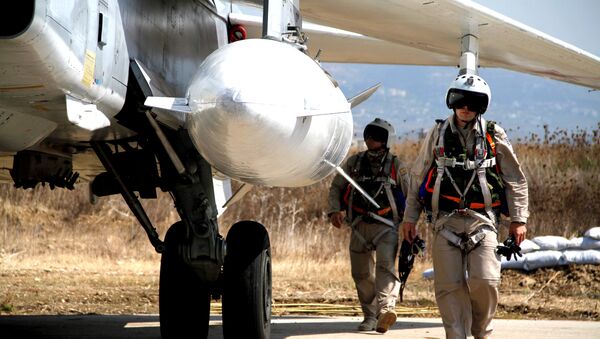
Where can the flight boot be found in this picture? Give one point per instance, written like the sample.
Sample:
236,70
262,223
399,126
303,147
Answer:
385,321
368,324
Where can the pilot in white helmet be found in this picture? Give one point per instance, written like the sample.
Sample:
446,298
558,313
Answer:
465,176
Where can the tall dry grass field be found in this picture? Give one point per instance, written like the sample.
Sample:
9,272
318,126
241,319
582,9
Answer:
563,171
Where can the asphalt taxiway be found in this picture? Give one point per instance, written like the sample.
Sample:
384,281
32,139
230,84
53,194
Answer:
290,327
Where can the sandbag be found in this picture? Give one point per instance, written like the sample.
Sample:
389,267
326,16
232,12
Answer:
512,263
575,243
528,246
589,244
552,242
584,243
539,259
582,257
593,233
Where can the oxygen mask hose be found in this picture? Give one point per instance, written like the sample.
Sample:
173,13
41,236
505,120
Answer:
509,248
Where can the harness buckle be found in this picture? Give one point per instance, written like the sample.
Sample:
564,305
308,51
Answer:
462,211
473,240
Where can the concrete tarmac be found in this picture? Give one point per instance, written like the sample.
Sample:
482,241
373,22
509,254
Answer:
293,327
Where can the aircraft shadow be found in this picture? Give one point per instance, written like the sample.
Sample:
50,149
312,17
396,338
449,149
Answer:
146,326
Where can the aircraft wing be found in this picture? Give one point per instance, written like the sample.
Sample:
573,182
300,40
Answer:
419,32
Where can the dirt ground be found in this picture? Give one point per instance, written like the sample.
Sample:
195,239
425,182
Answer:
100,286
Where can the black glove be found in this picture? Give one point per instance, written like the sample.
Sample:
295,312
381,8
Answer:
408,251
509,248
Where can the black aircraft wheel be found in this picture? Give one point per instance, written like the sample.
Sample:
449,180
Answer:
247,282
184,302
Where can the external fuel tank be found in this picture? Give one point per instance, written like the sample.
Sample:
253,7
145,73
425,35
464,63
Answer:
265,113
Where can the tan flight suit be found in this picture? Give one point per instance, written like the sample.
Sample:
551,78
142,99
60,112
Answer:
373,270
467,302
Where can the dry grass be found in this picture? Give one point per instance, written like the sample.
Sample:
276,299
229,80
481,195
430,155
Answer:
61,255
45,234
563,171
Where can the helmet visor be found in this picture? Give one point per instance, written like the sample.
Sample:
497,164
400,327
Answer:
376,133
476,102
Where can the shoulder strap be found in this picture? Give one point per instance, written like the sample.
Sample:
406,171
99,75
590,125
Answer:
388,168
442,127
491,135
355,170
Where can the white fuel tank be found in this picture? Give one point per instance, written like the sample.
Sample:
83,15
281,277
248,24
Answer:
265,113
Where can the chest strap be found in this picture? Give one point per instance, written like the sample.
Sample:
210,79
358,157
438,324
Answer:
386,181
478,166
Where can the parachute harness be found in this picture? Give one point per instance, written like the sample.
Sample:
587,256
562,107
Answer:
466,242
385,177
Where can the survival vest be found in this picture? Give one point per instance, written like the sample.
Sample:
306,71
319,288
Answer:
462,176
381,187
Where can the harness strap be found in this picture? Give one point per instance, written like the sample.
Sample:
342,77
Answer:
373,243
386,178
390,196
467,164
379,236
467,187
487,196
383,220
440,173
481,172
376,179
466,242
439,223
478,166
369,246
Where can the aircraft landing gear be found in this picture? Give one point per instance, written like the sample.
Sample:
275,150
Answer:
184,300
194,263
247,282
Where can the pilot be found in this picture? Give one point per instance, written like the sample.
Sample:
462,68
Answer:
465,176
374,239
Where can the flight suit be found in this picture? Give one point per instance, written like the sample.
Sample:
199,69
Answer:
466,285
373,248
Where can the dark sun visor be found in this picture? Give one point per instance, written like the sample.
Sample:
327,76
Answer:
476,102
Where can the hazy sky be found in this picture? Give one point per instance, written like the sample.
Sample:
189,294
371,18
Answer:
574,21
520,101
516,95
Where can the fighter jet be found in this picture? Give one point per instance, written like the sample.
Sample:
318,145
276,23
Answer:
186,95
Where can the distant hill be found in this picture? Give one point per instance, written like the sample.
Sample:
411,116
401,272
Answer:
412,97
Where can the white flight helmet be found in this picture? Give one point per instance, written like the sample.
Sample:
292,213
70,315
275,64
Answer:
470,90
380,130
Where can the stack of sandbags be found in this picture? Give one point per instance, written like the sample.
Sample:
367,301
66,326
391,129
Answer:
550,250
